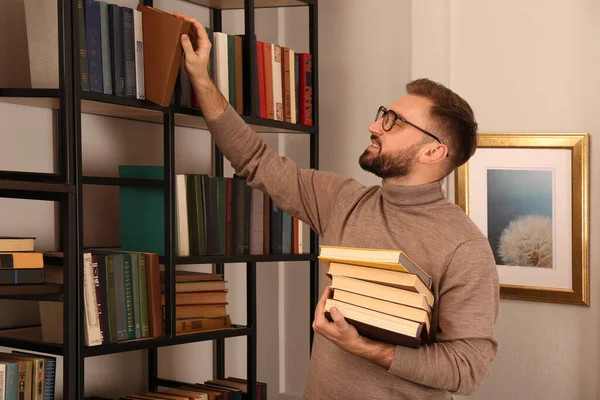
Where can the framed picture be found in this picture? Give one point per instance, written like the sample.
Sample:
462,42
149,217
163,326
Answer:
529,194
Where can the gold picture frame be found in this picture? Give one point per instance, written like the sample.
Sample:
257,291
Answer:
534,153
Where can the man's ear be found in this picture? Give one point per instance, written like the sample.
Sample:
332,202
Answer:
433,153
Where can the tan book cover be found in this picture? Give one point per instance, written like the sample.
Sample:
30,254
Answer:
239,75
162,52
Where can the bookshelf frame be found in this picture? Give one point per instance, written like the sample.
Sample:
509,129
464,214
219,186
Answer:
66,187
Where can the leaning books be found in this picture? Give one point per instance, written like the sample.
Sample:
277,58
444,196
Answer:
381,294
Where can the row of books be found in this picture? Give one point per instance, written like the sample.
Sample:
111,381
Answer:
214,389
284,78
382,293
25,375
124,297
214,216
111,51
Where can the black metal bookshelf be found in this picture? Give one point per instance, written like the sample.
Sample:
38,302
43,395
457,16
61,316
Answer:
66,188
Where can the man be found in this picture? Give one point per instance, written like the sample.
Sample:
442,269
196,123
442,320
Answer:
415,142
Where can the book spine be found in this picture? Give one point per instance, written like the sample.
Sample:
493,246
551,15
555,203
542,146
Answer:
285,65
11,380
247,216
2,381
49,378
94,44
192,218
297,85
135,283
262,110
239,80
129,52
139,54
293,84
155,314
143,295
221,198
115,21
113,326
231,68
238,214
120,307
268,61
83,62
128,291
103,297
277,89
286,233
92,319
96,278
200,217
15,276
38,378
106,55
276,227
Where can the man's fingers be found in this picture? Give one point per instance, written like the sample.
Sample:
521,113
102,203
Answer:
337,317
202,36
187,46
320,308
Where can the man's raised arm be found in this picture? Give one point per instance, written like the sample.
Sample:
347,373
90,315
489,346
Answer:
304,193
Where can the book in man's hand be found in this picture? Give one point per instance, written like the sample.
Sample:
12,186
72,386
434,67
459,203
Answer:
384,303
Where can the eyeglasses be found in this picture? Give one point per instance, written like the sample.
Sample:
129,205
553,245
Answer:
390,118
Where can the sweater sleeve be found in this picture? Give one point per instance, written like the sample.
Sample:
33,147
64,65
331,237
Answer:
459,358
305,193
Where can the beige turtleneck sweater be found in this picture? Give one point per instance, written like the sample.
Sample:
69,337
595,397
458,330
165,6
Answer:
436,234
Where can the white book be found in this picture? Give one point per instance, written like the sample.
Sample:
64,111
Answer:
139,54
2,381
221,63
93,335
277,82
183,240
292,86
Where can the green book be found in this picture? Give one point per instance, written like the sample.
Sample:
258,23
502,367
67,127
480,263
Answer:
143,295
142,211
231,67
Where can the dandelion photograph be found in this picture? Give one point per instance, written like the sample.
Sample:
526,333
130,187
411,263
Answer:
520,223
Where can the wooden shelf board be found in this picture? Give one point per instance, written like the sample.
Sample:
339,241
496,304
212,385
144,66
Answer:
242,258
239,4
139,344
28,338
40,292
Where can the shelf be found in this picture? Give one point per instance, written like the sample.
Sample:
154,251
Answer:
243,258
40,292
192,118
139,344
107,181
121,107
34,190
43,98
239,4
29,338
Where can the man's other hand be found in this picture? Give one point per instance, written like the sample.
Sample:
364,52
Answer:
338,331
197,51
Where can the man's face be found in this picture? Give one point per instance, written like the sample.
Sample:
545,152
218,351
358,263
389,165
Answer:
395,152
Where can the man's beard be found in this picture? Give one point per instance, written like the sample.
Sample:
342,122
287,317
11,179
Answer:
389,165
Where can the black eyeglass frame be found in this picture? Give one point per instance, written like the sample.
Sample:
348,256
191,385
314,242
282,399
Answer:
384,111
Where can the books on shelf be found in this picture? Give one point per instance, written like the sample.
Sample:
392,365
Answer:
223,388
25,375
214,216
284,79
380,293
129,52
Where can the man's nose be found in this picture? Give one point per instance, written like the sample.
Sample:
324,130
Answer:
375,128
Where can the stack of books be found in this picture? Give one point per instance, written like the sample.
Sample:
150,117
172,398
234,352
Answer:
200,302
19,263
382,293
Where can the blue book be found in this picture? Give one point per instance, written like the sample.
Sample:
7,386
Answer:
105,35
94,45
11,383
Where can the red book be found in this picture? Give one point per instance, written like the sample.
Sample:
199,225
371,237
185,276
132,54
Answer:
305,90
262,100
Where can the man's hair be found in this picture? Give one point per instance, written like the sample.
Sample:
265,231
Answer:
454,119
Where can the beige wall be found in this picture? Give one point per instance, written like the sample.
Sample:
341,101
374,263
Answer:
526,67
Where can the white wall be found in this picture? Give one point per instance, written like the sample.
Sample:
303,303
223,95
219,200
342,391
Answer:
526,67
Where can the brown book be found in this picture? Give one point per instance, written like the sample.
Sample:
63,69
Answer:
217,297
268,60
162,52
239,76
199,310
285,84
203,286
155,320
191,276
191,325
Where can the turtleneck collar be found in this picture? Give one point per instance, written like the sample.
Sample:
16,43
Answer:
402,195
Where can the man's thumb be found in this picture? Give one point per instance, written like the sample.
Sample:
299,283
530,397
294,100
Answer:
187,45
